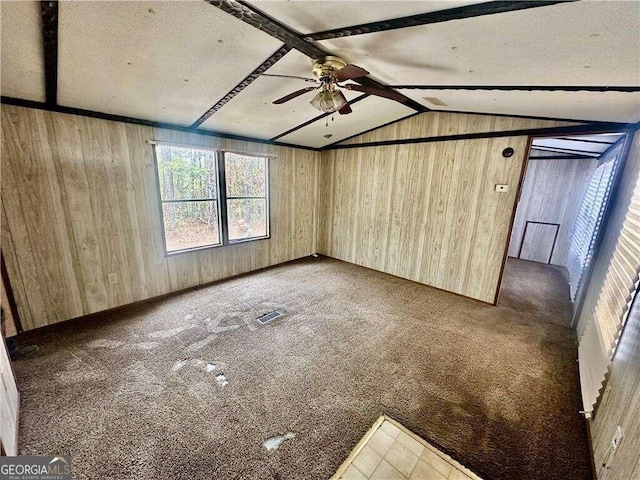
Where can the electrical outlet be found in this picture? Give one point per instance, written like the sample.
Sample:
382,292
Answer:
375,252
112,278
502,188
617,438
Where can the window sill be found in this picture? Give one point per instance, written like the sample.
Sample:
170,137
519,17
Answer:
218,245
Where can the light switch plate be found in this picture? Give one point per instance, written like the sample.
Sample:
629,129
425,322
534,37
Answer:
112,278
502,188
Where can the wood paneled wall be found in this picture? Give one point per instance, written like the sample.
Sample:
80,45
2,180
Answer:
79,201
9,327
620,403
9,403
435,124
551,192
426,212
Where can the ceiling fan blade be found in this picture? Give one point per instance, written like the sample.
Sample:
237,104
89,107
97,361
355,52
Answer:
347,108
349,73
306,79
377,91
293,95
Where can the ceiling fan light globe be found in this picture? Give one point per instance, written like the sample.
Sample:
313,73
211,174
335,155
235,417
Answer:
338,100
328,102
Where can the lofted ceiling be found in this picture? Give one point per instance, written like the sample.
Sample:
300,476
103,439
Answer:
578,146
197,64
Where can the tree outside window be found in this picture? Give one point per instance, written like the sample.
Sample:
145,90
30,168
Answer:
195,212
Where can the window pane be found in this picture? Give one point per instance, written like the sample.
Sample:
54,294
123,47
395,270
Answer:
186,173
190,224
246,176
247,218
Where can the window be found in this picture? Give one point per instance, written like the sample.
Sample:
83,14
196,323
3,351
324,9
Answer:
588,221
246,181
211,198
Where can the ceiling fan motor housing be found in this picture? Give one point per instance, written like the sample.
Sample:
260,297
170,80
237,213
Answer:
326,66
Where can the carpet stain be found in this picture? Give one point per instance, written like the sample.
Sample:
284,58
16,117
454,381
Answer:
140,381
194,347
74,377
105,343
273,443
179,365
225,329
143,345
213,326
171,332
496,388
222,380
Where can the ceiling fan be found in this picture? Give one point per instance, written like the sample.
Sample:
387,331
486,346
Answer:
329,73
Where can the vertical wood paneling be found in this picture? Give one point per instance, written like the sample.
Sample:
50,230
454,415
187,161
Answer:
551,192
424,211
418,211
9,403
15,274
620,406
427,212
435,124
77,198
156,271
80,201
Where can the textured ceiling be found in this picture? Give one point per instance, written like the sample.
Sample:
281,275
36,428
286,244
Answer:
366,115
163,61
599,106
315,16
581,43
172,61
22,61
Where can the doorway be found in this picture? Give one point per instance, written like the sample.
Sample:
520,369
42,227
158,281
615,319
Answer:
561,206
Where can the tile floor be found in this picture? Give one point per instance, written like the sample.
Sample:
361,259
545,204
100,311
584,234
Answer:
389,451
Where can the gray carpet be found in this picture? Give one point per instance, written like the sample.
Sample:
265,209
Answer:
127,393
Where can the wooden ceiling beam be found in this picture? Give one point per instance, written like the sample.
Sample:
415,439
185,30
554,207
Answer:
49,12
559,157
331,145
458,13
523,88
19,102
585,129
260,20
268,63
613,127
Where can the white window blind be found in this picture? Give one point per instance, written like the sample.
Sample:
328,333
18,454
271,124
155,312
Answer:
606,322
588,221
621,281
